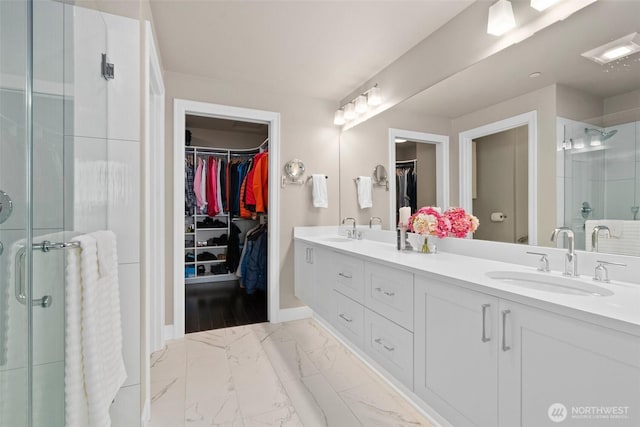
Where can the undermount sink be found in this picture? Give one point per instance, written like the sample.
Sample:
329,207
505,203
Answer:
548,283
337,239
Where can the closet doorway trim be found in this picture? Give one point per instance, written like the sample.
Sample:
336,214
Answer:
182,107
442,165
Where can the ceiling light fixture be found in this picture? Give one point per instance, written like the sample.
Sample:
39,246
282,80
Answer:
501,18
357,106
541,5
616,49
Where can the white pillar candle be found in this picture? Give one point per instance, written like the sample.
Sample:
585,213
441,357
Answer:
404,215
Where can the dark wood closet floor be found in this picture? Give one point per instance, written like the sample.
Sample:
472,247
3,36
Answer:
222,305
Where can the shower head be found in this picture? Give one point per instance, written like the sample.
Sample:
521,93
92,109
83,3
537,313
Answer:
603,135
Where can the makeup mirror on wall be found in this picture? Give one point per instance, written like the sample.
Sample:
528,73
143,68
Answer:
583,167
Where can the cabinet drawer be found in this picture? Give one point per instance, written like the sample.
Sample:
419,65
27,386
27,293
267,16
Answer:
348,276
348,318
390,345
389,292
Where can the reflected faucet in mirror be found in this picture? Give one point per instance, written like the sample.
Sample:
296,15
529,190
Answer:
571,258
350,233
375,219
595,234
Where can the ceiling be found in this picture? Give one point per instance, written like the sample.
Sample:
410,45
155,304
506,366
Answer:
555,52
322,49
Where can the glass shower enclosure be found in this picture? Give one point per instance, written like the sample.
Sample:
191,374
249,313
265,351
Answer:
40,87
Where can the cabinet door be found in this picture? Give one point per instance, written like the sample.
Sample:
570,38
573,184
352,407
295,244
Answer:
581,368
322,284
304,272
455,359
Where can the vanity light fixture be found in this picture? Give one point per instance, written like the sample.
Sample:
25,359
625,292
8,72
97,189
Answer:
616,49
361,104
373,96
350,111
541,5
400,140
357,106
338,117
501,18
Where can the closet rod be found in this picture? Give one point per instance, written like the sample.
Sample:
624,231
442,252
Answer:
407,161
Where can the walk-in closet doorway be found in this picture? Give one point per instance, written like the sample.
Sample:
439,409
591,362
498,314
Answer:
204,275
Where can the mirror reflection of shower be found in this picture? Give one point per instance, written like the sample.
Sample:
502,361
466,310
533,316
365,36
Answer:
598,136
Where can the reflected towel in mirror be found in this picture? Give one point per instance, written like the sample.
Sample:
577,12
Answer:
364,192
320,195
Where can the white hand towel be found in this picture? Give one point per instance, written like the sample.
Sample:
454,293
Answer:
94,367
364,192
320,194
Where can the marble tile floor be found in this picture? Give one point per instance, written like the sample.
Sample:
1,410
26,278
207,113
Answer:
288,374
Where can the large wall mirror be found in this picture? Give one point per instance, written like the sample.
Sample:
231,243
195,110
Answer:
584,169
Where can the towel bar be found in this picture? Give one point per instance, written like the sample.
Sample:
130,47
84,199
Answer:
46,246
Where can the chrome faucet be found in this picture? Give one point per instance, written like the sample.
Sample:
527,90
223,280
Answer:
571,258
350,233
595,234
375,218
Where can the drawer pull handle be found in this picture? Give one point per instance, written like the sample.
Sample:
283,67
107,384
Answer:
505,347
348,319
387,293
379,341
485,338
344,275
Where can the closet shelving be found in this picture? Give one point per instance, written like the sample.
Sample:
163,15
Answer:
203,234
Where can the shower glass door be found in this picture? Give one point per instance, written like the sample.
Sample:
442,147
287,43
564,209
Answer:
32,197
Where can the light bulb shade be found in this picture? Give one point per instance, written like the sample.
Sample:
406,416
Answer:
349,111
361,104
338,117
373,97
501,18
541,5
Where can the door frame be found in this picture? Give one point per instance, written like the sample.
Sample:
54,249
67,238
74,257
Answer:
182,107
466,158
442,165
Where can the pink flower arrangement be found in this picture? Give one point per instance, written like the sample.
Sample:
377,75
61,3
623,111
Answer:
430,221
461,222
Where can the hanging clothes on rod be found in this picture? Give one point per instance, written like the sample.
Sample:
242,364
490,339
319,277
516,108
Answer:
406,184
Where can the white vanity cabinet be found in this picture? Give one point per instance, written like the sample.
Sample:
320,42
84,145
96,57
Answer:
312,284
304,272
481,360
456,352
548,359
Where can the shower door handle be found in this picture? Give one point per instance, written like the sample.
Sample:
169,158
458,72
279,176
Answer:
20,285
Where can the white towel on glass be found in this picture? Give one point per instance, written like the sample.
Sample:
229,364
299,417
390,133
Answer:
364,192
94,367
320,195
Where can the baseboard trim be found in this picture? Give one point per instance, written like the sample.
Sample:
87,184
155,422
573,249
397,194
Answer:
296,313
146,413
167,333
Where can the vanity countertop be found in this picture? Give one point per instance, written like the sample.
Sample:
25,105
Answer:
620,311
